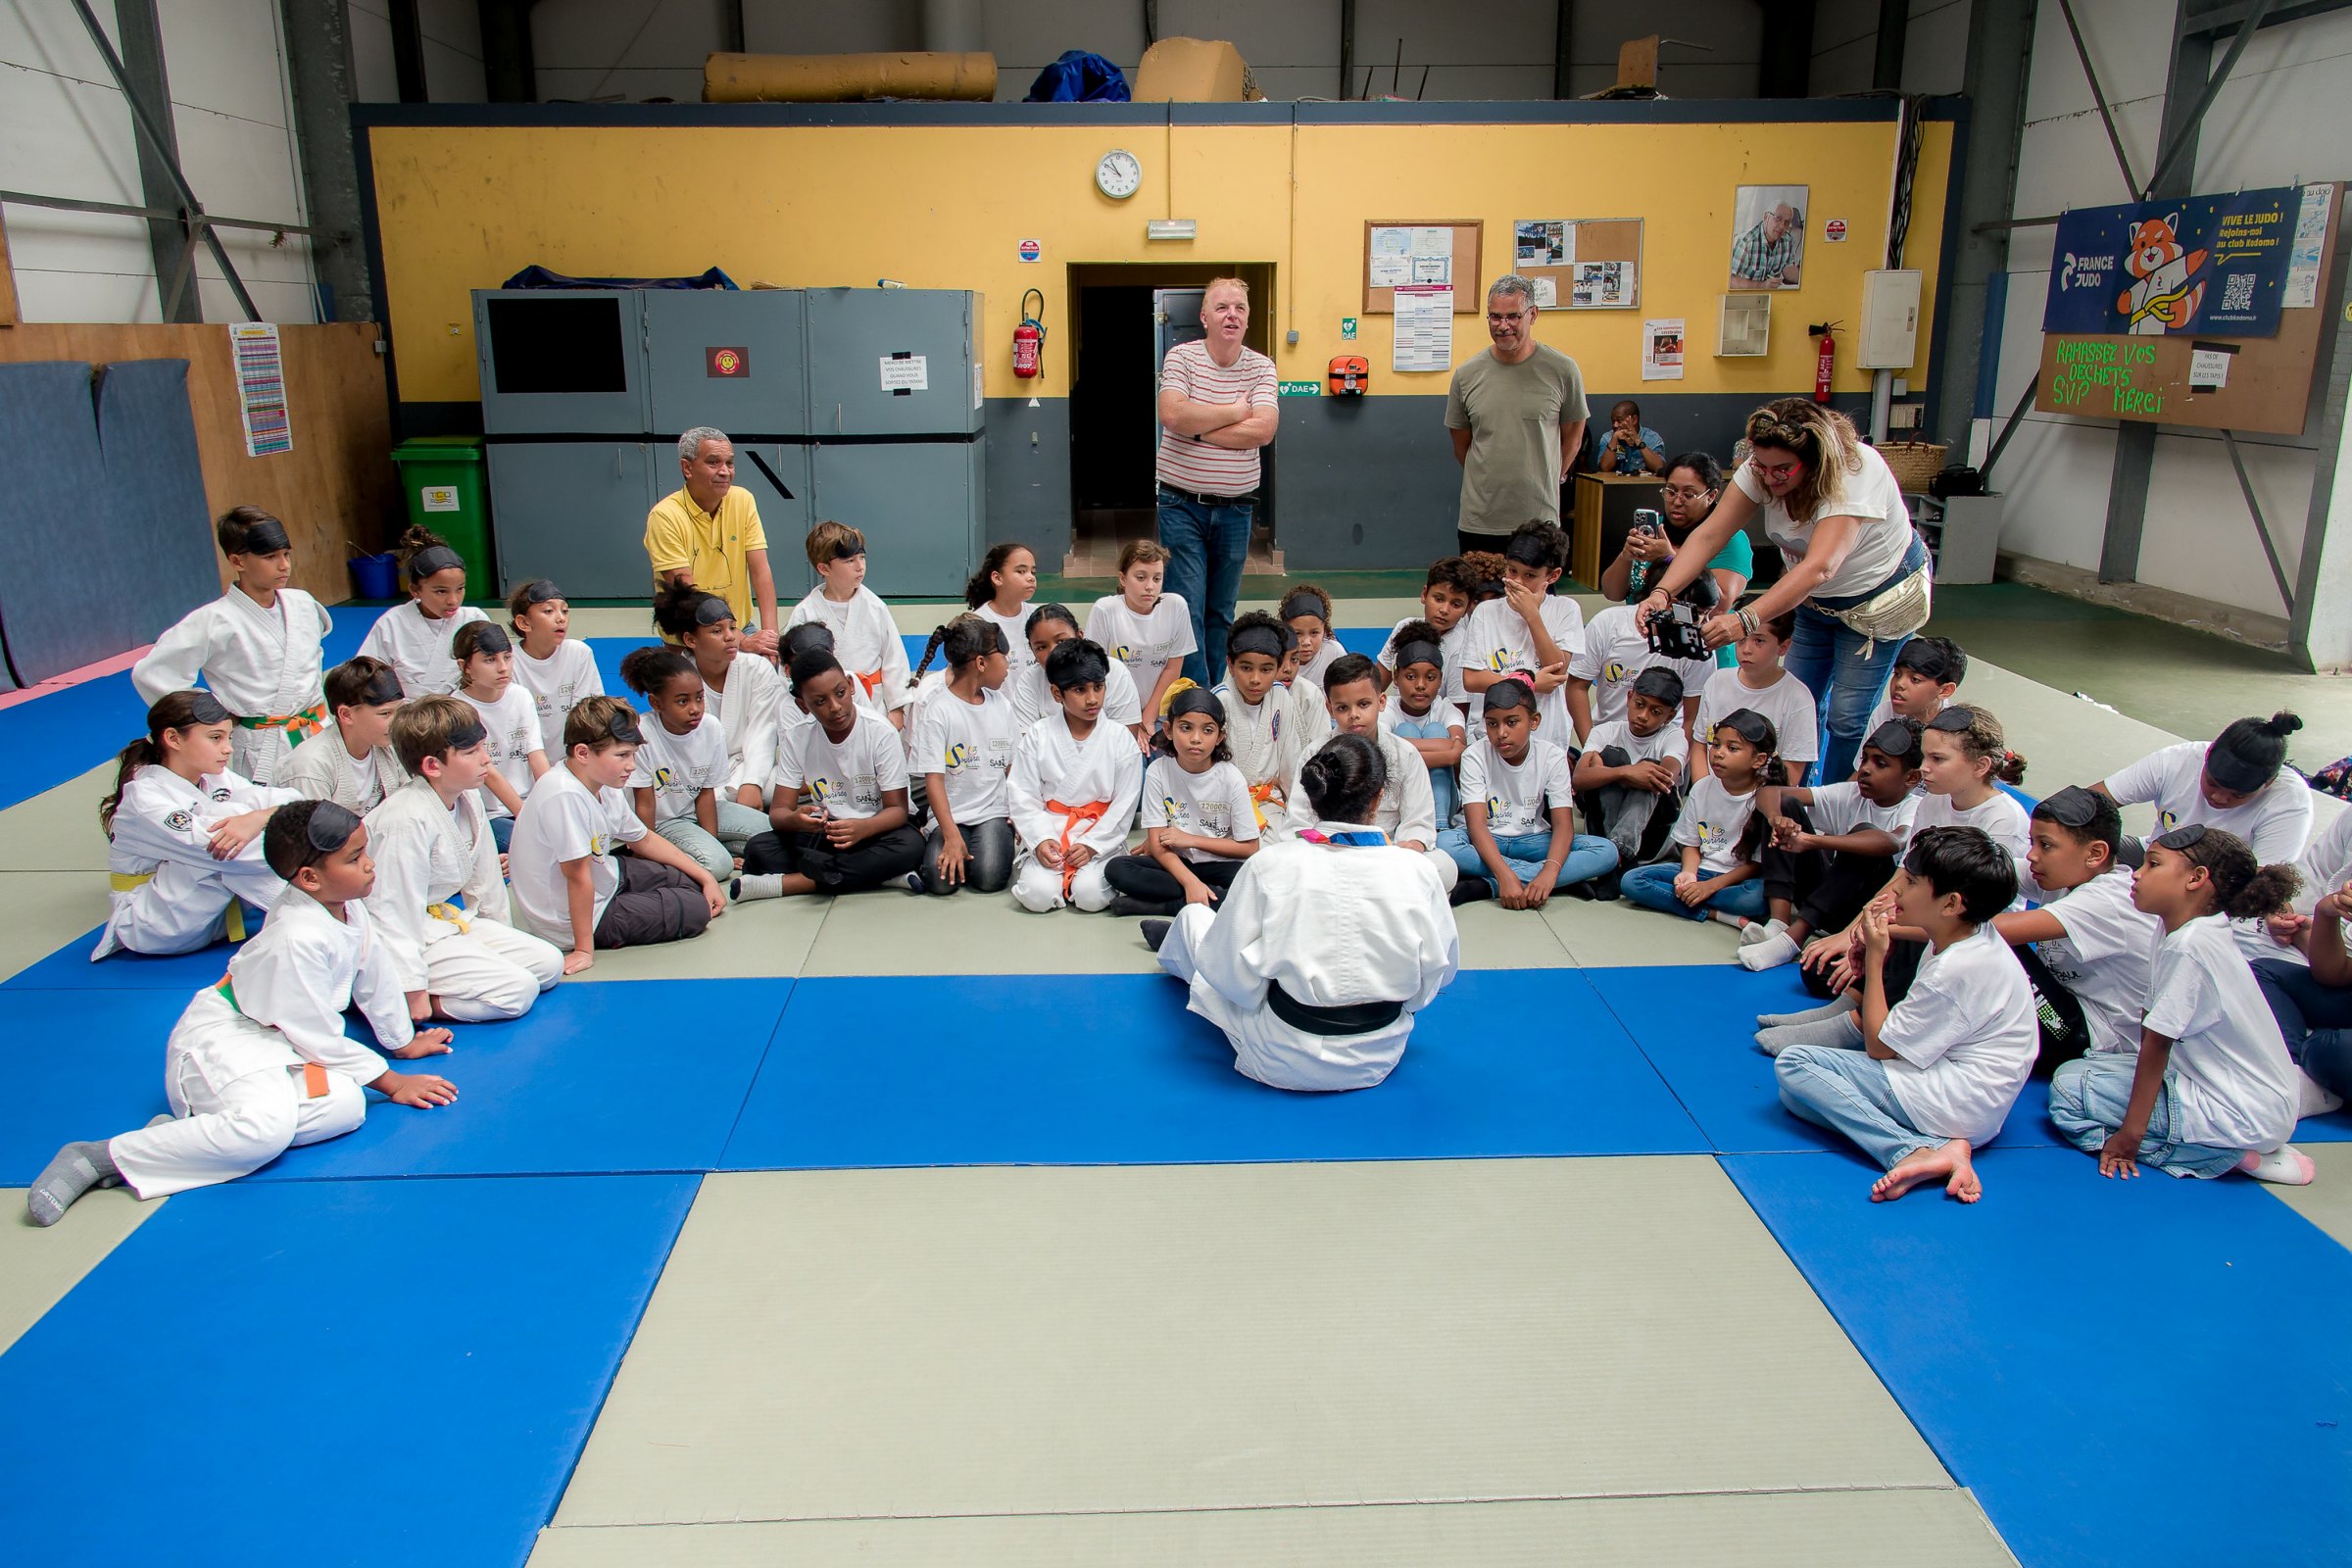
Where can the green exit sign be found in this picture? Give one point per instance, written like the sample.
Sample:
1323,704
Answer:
1300,389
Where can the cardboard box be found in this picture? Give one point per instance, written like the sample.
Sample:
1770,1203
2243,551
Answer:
1193,70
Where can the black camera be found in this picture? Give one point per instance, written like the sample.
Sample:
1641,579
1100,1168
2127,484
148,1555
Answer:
1676,634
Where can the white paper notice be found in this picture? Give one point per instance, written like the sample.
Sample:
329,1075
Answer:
2208,370
1392,261
2311,238
1548,291
979,389
1663,349
909,374
1424,330
1432,269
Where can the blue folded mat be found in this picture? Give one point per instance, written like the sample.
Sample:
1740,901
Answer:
2145,1371
373,1374
1111,1069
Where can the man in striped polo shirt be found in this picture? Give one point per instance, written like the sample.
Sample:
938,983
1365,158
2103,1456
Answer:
1216,408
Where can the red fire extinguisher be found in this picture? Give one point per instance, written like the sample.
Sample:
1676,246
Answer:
1826,365
1029,339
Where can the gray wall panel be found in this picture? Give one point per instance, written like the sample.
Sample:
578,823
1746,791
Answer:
1028,495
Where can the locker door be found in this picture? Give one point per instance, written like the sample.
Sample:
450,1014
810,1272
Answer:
573,511
734,360
561,362
891,362
917,503
785,519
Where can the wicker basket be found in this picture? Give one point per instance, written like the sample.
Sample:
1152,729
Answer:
1914,462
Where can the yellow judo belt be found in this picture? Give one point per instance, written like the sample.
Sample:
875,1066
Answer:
299,727
131,882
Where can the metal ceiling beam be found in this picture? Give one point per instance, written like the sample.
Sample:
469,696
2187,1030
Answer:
2123,160
2183,136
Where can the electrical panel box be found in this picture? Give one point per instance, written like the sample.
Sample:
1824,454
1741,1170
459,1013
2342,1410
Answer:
734,360
1746,330
893,362
919,505
1889,336
561,362
574,511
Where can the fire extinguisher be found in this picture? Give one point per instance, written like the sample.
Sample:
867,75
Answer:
1827,363
1029,339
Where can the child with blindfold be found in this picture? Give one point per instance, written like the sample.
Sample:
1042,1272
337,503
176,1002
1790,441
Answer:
414,638
352,764
556,669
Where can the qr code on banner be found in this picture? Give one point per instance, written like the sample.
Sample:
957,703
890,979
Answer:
2239,293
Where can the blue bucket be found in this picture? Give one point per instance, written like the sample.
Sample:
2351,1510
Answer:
376,576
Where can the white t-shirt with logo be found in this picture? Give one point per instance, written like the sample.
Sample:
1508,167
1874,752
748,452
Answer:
556,684
1496,639
1615,651
1519,799
1017,638
1713,821
1143,643
968,744
562,820
513,723
1215,804
2275,824
1794,713
679,767
1662,745
2233,1084
1964,1039
2106,957
848,778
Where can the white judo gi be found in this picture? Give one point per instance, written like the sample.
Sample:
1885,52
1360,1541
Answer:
752,711
324,770
1335,928
170,896
235,1067
262,665
1072,792
440,908
417,649
1270,741
1407,807
867,641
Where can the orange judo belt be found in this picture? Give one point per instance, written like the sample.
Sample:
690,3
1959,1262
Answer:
314,1076
1074,818
299,727
1259,795
871,679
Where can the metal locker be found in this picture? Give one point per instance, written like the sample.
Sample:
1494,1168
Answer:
759,468
561,362
574,511
919,505
736,359
891,362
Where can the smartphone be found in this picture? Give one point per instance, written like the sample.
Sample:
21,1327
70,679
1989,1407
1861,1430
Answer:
1647,520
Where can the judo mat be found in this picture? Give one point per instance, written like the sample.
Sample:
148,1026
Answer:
1136,1079
395,1372
2049,1341
1228,1337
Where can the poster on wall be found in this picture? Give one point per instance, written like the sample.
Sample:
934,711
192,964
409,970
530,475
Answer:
261,388
1542,242
1768,236
1602,285
1424,329
1663,349
2212,265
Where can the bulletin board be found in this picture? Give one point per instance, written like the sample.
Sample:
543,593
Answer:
1469,234
2266,382
1596,242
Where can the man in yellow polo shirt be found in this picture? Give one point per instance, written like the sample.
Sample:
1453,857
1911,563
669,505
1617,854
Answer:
706,534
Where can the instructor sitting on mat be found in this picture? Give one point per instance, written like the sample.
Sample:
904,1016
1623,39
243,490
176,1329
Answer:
1324,948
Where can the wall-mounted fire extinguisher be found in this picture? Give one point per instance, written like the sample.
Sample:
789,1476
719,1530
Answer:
1029,339
1826,365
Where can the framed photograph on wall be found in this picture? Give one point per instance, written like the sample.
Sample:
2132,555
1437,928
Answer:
1768,236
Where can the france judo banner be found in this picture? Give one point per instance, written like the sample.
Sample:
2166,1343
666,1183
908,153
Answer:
2211,264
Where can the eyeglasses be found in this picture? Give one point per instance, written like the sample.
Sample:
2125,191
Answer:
1776,470
1687,492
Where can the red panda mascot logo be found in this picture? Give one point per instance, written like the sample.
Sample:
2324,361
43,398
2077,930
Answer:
2166,289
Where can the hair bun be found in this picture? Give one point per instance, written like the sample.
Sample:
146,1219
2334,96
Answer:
1316,775
2283,723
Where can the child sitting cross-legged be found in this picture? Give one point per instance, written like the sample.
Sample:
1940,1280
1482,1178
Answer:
1073,787
1921,1084
1199,824
1719,832
1630,774
839,801
1518,827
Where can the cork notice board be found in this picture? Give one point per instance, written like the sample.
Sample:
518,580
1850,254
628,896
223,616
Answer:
1382,236
1611,248
2265,383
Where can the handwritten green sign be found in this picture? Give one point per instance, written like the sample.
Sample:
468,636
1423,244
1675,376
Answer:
2095,376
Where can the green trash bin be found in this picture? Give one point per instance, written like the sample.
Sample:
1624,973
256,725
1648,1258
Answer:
441,475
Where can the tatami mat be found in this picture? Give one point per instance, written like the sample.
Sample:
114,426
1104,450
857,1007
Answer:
38,1266
44,906
766,940
1607,936
888,931
2328,1201
1939,1528
851,1345
57,830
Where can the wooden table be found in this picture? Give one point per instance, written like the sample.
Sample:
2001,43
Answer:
1605,506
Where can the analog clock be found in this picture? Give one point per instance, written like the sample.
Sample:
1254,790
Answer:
1119,176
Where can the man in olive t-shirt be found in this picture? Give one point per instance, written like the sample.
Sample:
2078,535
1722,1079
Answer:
1517,415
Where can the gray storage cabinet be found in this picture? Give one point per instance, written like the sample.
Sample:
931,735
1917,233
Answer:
574,511
785,519
735,361
561,362
865,345
919,505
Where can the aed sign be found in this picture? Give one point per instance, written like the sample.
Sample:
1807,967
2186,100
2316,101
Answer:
1031,250
726,362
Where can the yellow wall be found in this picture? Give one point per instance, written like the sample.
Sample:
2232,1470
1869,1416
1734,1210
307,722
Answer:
463,207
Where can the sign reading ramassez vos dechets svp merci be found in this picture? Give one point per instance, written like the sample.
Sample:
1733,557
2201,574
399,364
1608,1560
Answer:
2216,265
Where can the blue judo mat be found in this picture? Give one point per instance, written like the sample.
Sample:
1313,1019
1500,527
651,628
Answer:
2126,1372
384,1373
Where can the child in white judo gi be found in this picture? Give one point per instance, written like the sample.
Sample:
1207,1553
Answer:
184,834
1325,948
440,903
1073,788
259,1062
414,638
865,638
256,648
353,764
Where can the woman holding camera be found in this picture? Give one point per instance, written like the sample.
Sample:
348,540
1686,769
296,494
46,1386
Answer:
1857,574
1694,484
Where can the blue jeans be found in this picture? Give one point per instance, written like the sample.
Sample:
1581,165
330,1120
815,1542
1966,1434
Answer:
2088,1099
2316,1019
1829,658
1441,779
1206,546
502,832
1525,853
1652,888
1847,1093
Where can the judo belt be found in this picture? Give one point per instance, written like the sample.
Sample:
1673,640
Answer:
299,727
1259,795
452,910
1356,1018
132,882
1074,818
314,1077
871,679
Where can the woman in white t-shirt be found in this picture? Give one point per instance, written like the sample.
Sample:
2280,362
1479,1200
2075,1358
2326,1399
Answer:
2240,784
2212,1089
1857,574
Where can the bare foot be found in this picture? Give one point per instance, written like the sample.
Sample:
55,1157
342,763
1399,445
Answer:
1948,1159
